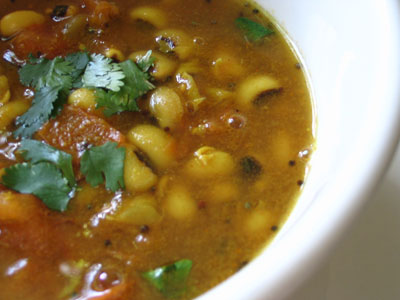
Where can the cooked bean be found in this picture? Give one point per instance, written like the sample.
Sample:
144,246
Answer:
253,87
4,90
258,220
166,106
175,41
83,98
163,66
226,66
18,20
179,204
209,162
151,15
140,210
11,110
137,176
154,142
114,54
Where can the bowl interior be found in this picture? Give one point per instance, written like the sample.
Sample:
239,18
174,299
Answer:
350,50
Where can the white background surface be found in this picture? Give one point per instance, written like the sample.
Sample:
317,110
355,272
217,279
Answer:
366,264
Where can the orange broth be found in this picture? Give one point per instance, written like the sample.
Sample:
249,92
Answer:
218,217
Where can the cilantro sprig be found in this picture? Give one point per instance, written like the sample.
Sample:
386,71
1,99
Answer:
102,72
252,30
117,85
48,172
136,84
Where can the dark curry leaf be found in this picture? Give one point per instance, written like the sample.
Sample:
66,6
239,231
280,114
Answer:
170,280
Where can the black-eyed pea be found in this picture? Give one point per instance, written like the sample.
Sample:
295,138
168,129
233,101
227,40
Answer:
155,143
18,20
151,15
137,176
217,95
208,162
190,67
189,88
175,41
163,66
11,110
281,148
226,66
114,54
166,106
137,210
224,192
83,98
258,221
4,90
179,204
75,26
255,87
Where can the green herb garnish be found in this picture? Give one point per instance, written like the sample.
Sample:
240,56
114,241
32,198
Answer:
252,30
118,85
104,162
136,84
44,180
48,174
35,152
170,280
102,72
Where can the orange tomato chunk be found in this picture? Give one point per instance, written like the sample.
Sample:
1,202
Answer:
75,129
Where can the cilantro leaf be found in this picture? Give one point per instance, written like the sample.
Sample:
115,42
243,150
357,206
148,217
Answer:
102,72
43,180
136,84
252,30
115,102
170,280
146,61
136,81
40,111
36,152
55,72
52,80
104,162
79,60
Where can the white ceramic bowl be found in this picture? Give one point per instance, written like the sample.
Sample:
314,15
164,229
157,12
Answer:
351,50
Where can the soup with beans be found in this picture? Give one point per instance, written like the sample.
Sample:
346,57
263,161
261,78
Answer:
148,149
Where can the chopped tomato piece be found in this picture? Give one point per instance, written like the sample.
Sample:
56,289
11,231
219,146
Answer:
102,12
75,129
41,40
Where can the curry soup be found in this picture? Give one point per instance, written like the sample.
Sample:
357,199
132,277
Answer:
148,150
